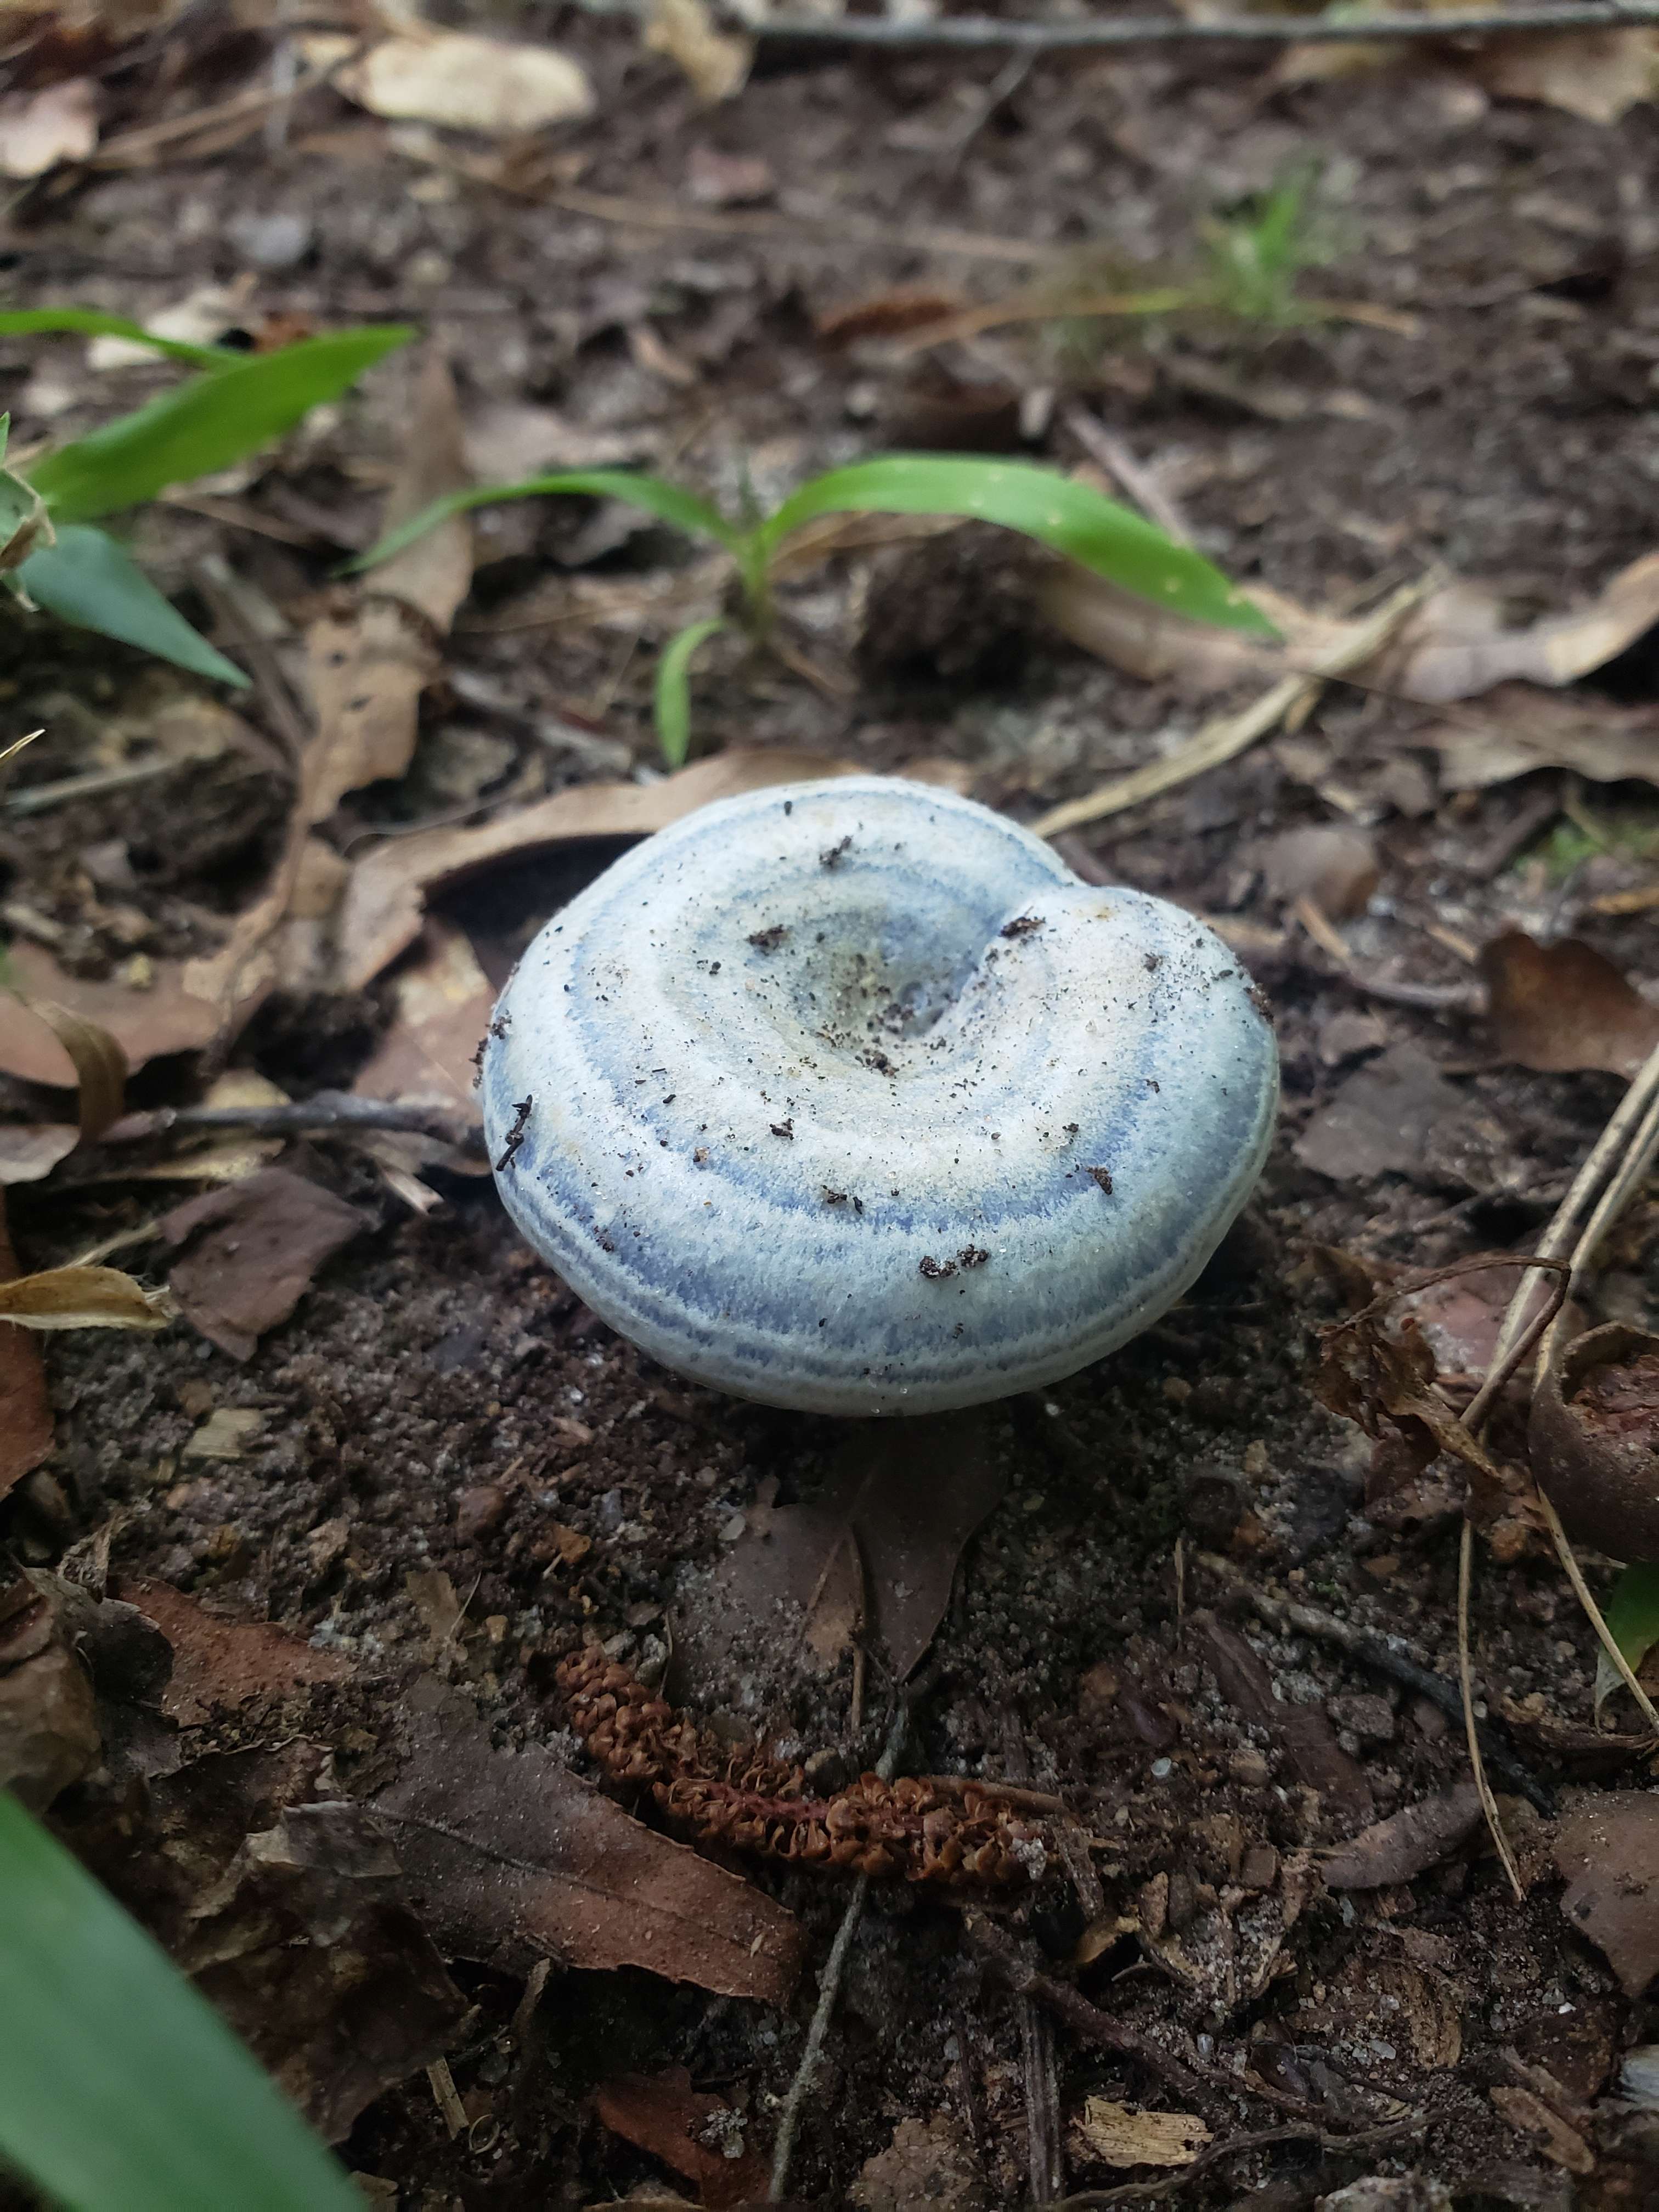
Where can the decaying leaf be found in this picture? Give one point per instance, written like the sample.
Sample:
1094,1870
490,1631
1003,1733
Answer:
220,1665
1382,1119
286,1906
876,1550
1593,1437
716,63
39,129
82,1297
463,83
1559,2141
252,1249
1608,1854
369,664
30,1150
225,1431
49,1733
1562,1007
687,2129
1401,1847
511,1859
382,915
25,1426
929,2162
1116,2135
1331,863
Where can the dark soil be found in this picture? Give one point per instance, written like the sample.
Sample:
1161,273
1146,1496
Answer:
1512,439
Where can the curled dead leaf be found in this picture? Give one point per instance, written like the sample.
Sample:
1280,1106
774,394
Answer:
1594,1440
1563,1006
716,63
83,1297
1457,646
99,1064
1417,1837
49,1733
382,912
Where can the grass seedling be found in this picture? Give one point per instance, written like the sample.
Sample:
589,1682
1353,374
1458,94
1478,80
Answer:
1069,518
52,554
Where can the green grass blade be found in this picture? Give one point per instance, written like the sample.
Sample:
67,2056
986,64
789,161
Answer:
121,2090
93,323
1631,1614
673,692
205,424
87,579
667,502
1039,503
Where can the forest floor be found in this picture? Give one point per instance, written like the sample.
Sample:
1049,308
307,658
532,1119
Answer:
371,1530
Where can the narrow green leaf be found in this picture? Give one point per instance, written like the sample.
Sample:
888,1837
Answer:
205,424
667,502
1631,1614
1039,503
673,693
121,2090
93,323
87,579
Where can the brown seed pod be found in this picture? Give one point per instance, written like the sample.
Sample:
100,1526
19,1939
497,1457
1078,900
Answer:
1594,1438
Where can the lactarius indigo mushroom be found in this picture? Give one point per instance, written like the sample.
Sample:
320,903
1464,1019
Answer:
850,1097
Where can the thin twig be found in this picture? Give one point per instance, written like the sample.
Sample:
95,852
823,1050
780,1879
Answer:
1148,2192
1040,2076
829,1987
1293,1615
1472,1733
328,1110
1141,483
1581,1590
1228,735
973,32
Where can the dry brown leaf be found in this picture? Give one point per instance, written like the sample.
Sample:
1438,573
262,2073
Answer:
1381,1119
1409,1841
168,1017
25,1425
381,914
1455,647
515,1860
82,1297
664,2116
1595,73
1331,863
220,1665
1608,1854
39,129
369,667
877,1546
716,63
1517,728
1116,2135
254,1247
1149,642
442,1003
99,1064
462,82
1564,1007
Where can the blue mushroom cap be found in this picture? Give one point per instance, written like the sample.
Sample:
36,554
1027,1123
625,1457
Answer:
850,1097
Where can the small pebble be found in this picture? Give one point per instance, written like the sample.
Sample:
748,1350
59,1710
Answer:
479,1510
272,241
